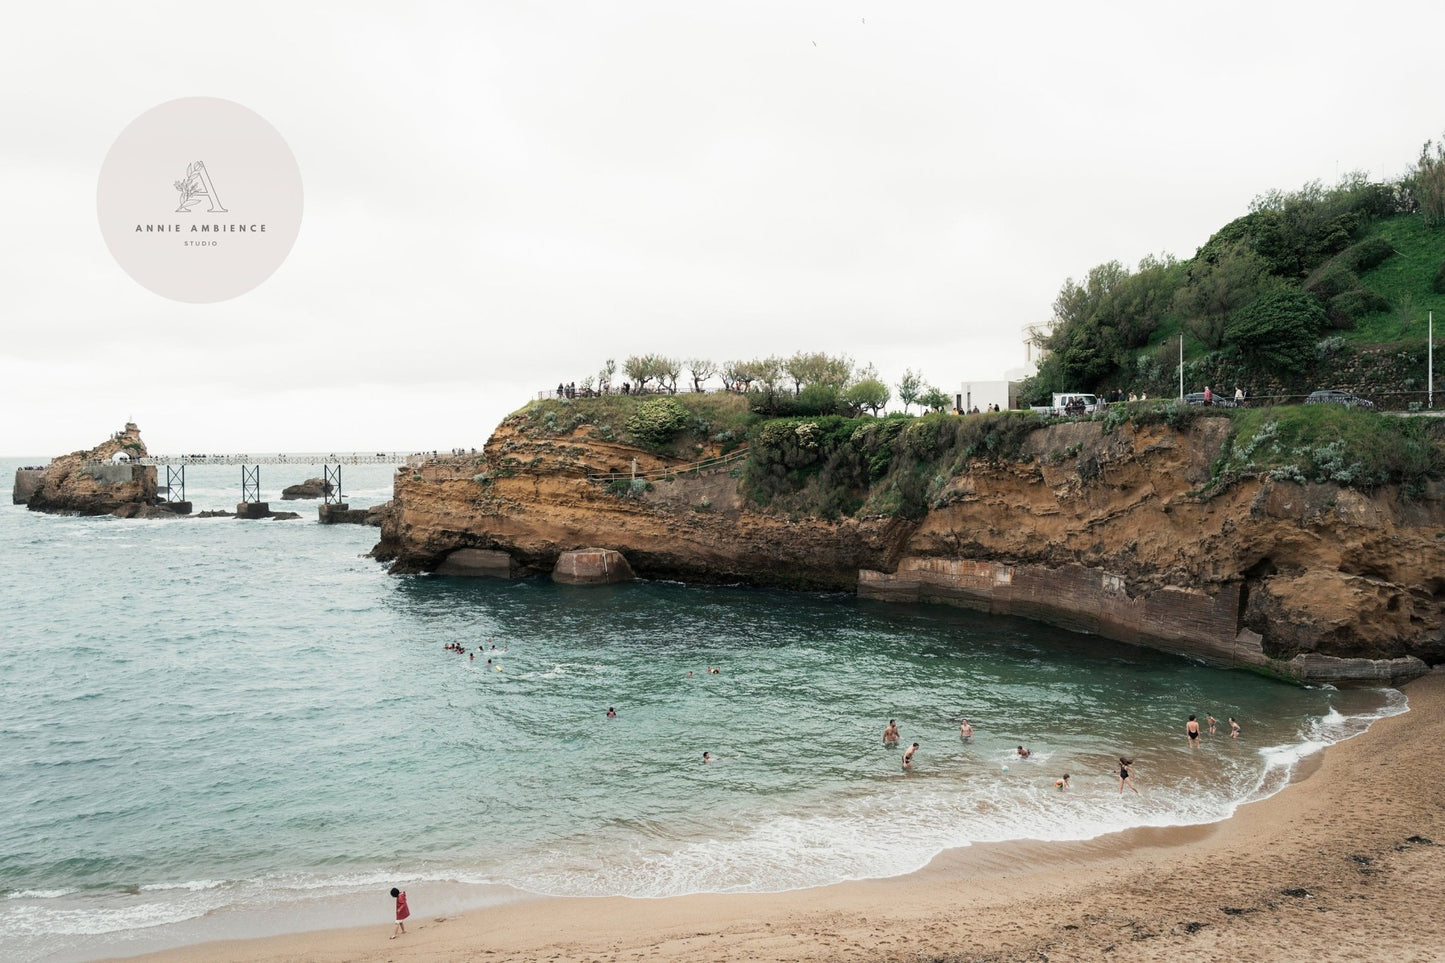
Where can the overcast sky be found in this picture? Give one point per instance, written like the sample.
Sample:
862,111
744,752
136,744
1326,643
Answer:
501,196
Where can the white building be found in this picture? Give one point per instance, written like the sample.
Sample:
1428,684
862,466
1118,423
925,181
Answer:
1003,392
981,394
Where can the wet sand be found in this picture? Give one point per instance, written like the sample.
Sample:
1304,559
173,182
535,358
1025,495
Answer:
1340,865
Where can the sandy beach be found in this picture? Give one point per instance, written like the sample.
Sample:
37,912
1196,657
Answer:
1340,865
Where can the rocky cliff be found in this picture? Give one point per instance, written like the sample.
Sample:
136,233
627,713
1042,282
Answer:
99,481
1102,531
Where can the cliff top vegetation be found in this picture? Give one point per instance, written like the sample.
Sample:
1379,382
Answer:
1318,287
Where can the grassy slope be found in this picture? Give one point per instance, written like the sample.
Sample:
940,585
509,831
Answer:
1405,280
720,417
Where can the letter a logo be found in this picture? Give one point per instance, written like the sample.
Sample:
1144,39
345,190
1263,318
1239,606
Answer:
197,185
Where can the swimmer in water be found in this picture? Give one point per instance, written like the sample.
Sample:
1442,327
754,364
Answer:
908,756
1022,753
1233,728
707,757
965,731
1192,728
890,733
1062,784
611,713
1212,724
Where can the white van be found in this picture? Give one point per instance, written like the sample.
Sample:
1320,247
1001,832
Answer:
1070,403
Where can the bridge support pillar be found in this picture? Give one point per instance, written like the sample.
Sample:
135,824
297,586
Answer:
331,487
176,490
253,510
340,514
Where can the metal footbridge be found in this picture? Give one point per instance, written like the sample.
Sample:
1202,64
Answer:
174,485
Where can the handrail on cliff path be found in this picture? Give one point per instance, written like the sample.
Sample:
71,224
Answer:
705,464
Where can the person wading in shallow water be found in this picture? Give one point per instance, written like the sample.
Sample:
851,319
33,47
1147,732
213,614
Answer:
1124,772
890,734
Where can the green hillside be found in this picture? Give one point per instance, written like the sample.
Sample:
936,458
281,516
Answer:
1319,287
1407,280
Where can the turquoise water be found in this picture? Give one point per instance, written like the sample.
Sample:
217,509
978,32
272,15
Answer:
217,728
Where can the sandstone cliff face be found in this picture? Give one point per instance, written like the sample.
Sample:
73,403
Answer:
1100,532
694,528
92,482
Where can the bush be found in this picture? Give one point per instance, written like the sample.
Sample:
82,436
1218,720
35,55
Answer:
1278,331
1331,281
1369,253
1330,347
1438,285
1346,308
657,420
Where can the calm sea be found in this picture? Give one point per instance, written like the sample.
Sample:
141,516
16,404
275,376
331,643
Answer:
219,728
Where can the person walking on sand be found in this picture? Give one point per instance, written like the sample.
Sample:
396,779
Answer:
890,733
1192,727
1124,773
965,731
1233,728
908,756
402,912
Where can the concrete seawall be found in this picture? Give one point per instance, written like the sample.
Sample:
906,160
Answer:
27,483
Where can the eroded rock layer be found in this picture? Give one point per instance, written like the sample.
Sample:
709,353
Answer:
1102,532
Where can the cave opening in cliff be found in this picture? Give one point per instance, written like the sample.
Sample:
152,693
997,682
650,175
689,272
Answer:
1253,575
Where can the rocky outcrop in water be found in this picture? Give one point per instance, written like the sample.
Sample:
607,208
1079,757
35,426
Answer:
103,480
1099,532
310,488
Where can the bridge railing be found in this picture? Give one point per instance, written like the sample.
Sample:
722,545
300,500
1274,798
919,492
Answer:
694,468
282,458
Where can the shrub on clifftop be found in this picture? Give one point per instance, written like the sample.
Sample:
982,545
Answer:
657,420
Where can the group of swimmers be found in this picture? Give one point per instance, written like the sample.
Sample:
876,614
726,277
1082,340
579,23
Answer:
891,738
1191,728
460,649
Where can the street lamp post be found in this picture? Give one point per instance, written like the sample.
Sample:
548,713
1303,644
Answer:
1181,366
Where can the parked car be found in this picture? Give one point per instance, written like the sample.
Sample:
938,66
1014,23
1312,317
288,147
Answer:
1334,396
1219,401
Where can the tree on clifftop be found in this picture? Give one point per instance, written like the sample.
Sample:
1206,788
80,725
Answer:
909,387
934,399
817,368
868,394
1216,290
702,369
1278,330
1428,183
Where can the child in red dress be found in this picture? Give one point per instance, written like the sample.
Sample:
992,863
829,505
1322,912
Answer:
402,912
